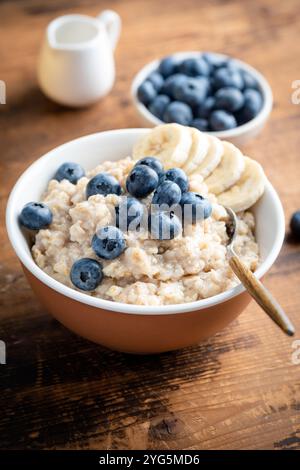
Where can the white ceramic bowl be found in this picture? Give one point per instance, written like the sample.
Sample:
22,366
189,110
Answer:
239,135
131,328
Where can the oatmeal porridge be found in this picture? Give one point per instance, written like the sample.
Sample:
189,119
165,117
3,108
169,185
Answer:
149,229
149,271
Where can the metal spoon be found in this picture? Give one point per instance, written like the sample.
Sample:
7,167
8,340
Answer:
255,288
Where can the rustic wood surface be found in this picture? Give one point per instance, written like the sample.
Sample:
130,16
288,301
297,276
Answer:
240,390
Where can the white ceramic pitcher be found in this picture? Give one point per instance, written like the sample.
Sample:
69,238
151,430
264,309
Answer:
76,64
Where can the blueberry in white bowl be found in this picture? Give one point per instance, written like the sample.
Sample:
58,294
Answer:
103,184
35,216
170,84
129,214
194,67
146,92
193,85
159,105
178,112
141,181
178,176
201,124
155,164
108,242
167,194
164,225
86,274
167,66
194,207
192,91
221,120
69,171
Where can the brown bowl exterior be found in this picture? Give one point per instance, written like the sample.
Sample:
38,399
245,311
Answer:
133,333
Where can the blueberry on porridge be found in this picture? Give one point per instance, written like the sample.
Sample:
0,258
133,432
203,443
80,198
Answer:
35,216
104,184
108,242
69,171
86,274
150,229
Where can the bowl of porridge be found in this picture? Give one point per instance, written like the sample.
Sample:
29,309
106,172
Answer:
144,292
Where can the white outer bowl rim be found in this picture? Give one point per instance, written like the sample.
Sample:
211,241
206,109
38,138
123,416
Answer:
30,265
237,131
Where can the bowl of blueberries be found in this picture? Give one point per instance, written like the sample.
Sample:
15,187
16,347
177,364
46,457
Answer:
213,92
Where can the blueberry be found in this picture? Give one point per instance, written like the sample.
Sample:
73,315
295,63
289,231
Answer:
214,60
155,165
141,181
194,66
195,207
229,98
178,112
167,193
170,84
191,91
205,83
69,171
158,105
249,80
200,124
86,274
222,120
178,176
156,79
167,66
35,216
108,242
104,184
146,92
204,109
295,225
164,225
228,76
129,214
252,105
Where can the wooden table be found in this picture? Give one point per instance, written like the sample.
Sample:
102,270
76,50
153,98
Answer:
240,390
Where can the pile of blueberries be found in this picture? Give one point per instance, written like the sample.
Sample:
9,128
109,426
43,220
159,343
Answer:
208,92
170,196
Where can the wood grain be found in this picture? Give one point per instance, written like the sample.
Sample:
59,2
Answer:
240,390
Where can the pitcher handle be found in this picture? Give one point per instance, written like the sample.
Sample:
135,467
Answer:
112,23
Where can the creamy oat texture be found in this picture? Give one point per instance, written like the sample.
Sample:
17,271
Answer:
149,272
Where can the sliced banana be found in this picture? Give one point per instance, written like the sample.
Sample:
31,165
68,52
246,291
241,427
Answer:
198,150
170,143
247,190
229,170
212,158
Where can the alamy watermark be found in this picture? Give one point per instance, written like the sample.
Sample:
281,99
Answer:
2,92
2,352
295,358
296,93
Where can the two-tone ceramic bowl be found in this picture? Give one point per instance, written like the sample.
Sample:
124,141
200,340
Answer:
123,327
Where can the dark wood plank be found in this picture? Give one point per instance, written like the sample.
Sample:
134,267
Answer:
239,390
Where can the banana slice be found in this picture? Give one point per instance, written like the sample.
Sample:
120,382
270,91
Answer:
229,170
198,151
247,190
170,143
212,158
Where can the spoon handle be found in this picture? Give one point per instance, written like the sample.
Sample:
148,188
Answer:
260,294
